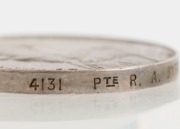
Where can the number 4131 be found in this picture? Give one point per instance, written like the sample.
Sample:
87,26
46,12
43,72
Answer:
49,83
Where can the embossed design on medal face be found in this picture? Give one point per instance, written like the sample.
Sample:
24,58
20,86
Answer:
78,54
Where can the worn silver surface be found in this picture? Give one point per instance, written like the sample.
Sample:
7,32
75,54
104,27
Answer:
59,65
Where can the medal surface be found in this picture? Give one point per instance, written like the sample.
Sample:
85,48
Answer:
64,65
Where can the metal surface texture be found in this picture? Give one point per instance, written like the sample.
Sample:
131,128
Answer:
65,65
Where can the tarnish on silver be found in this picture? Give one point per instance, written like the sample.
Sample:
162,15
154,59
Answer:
64,65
